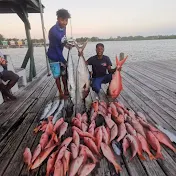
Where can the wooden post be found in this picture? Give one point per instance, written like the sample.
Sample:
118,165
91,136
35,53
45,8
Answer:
29,53
121,56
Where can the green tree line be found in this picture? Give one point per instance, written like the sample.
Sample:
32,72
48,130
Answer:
2,38
129,38
96,39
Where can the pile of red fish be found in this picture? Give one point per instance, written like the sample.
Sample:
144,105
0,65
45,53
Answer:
79,153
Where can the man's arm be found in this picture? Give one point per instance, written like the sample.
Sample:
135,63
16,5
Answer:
110,70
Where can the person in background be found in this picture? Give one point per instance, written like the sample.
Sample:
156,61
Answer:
6,75
101,68
57,42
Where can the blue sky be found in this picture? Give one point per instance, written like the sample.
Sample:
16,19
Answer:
100,18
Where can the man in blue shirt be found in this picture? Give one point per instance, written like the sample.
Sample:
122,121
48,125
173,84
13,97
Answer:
100,65
57,41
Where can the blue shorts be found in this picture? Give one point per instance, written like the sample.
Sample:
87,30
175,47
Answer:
96,82
58,69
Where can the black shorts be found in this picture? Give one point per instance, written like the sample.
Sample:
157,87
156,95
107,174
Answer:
7,75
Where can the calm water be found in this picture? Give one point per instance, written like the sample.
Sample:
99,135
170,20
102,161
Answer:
136,50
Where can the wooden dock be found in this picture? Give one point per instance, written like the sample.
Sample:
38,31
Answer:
149,87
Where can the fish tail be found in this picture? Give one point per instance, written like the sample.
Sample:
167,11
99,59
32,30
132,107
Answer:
159,155
29,167
172,147
117,167
141,157
117,61
36,130
151,156
55,137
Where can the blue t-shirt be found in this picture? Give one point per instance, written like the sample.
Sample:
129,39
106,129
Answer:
99,66
55,46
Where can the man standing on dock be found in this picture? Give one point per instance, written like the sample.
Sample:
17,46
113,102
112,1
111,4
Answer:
57,41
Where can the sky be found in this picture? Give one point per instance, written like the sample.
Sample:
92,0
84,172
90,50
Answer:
100,18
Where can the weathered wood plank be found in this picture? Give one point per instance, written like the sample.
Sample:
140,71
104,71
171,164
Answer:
10,123
10,149
162,72
163,103
24,137
22,96
167,118
165,154
165,82
22,100
150,82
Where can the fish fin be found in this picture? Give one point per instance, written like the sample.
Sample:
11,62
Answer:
50,118
151,156
159,155
141,157
29,167
120,63
55,137
36,130
117,61
117,167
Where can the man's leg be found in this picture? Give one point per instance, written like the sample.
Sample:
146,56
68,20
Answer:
64,80
13,79
6,94
96,84
107,79
58,83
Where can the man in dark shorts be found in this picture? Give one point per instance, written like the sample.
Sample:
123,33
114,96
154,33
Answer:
57,42
6,75
100,65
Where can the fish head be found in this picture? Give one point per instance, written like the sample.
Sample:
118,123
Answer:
95,105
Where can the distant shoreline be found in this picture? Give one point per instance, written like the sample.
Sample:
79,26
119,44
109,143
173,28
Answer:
129,38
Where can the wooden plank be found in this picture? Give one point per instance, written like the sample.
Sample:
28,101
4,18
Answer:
22,96
162,102
15,118
165,154
167,118
159,68
22,100
156,78
149,83
146,80
22,138
164,73
170,65
9,130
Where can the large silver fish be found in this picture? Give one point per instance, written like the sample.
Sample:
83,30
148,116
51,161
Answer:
46,110
58,112
71,78
54,106
83,76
